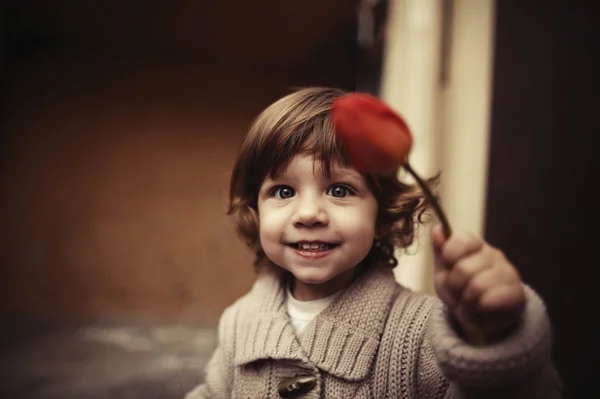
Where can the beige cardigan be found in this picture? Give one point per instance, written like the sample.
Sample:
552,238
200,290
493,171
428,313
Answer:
376,340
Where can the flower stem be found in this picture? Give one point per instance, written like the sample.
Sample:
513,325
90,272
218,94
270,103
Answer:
477,334
432,199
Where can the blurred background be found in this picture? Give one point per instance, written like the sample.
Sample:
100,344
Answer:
121,121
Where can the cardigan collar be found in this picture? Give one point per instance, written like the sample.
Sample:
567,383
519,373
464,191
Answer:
342,340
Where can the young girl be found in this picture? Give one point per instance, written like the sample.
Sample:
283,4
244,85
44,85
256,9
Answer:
326,318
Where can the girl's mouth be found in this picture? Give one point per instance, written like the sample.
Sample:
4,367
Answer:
312,246
313,250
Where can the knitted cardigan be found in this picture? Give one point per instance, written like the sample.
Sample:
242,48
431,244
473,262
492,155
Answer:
377,339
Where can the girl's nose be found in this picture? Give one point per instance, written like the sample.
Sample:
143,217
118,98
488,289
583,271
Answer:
310,213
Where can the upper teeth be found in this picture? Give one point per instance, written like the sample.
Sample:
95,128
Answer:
314,245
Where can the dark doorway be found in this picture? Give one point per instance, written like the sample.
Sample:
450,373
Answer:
540,206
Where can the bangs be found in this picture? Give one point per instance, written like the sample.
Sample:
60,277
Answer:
316,139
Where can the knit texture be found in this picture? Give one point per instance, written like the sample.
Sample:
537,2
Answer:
376,339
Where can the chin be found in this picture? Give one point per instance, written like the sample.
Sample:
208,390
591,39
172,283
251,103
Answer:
312,276
317,275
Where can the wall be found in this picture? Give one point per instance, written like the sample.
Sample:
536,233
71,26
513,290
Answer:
113,186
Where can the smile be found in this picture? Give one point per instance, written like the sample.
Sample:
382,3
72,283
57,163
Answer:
312,246
313,249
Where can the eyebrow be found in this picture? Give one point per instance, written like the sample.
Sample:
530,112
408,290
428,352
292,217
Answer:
346,174
336,174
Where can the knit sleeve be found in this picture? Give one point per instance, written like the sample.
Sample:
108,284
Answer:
519,363
219,369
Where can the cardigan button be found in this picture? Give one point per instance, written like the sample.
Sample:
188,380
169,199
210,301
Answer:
290,387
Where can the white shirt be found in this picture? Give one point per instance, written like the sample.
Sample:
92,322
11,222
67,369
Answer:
303,312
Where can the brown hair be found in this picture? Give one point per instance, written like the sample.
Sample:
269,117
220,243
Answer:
300,123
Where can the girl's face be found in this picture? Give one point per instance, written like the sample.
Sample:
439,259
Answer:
317,228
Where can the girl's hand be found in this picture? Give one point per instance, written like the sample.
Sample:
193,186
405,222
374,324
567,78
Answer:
480,287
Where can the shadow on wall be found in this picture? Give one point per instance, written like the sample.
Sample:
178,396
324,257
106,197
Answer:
114,184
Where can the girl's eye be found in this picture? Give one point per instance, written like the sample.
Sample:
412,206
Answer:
339,191
283,192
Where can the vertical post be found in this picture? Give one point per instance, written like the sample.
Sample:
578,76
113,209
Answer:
437,74
411,87
466,114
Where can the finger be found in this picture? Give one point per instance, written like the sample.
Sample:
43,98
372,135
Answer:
478,285
441,288
437,237
465,269
459,246
438,264
437,240
503,298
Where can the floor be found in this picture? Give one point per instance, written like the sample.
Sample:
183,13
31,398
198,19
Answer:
96,361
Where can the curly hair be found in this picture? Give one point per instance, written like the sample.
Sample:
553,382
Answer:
300,123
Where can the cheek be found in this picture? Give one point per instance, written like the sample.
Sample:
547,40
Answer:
270,226
364,235
359,225
270,235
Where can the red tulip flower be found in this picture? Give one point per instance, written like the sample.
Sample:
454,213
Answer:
376,138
